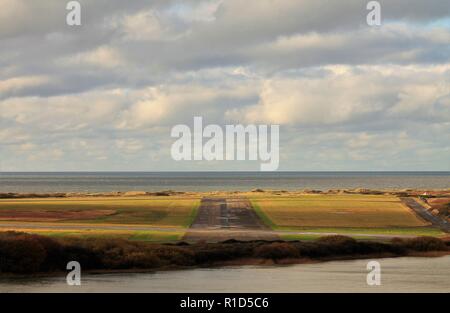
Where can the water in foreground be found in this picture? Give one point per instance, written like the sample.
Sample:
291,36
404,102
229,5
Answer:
397,275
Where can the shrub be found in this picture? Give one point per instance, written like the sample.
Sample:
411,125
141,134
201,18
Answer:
24,253
426,244
276,251
336,240
173,255
140,259
216,252
338,245
21,255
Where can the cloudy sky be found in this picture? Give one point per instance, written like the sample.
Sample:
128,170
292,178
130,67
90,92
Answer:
105,95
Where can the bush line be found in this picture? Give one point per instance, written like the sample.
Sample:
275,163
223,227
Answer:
22,253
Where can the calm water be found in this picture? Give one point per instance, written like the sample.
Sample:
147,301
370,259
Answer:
397,275
209,181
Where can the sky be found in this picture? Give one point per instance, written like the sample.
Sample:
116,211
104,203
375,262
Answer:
105,95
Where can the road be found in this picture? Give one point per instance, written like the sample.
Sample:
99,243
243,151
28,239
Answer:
424,213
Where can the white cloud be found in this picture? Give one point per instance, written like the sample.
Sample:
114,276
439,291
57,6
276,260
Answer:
168,104
16,84
129,145
344,94
105,95
104,56
61,113
46,154
13,135
144,25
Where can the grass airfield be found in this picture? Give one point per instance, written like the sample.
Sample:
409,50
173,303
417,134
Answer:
167,218
153,211
344,214
171,215
337,211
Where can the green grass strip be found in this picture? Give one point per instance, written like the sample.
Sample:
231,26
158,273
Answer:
266,220
193,215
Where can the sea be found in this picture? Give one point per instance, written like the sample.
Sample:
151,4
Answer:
47,182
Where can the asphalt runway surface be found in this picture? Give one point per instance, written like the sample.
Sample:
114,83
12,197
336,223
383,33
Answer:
221,219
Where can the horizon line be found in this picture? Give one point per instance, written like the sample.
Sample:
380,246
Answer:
236,171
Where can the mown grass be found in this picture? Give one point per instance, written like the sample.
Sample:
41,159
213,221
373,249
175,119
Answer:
300,214
263,216
291,237
163,212
155,236
366,237
155,211
193,215
147,235
361,211
413,231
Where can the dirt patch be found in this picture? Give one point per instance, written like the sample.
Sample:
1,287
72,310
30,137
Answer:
440,206
438,201
52,216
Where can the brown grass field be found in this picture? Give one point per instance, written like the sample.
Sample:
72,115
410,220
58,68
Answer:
370,211
440,206
133,217
174,213
171,211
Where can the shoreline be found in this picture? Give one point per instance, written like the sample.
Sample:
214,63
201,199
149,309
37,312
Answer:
25,254
400,192
258,262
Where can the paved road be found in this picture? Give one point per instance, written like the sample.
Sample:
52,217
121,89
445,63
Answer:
426,215
231,218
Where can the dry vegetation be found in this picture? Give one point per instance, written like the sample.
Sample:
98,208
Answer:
22,253
440,206
341,211
171,211
336,211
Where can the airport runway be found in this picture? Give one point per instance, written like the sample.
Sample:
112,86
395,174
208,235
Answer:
220,219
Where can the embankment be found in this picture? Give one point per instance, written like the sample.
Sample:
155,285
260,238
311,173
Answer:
22,253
